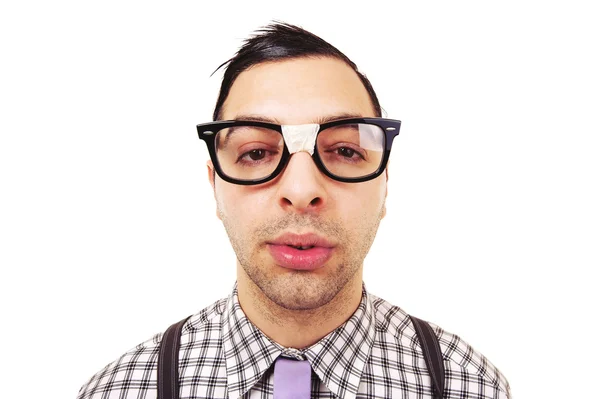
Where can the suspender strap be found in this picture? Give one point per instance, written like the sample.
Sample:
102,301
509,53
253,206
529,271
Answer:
433,355
168,362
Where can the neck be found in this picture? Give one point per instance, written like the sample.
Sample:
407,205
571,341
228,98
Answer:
297,328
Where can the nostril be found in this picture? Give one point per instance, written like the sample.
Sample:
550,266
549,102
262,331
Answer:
314,203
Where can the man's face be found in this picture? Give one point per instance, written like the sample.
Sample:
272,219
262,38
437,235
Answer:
301,201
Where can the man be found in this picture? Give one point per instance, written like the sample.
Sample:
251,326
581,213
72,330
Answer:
298,169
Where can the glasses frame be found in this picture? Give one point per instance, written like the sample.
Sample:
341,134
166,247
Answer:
208,133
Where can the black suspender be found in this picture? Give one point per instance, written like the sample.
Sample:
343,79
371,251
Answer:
168,362
433,355
168,359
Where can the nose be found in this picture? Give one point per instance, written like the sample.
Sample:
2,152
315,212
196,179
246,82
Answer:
301,186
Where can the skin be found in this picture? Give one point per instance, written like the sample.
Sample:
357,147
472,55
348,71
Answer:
298,308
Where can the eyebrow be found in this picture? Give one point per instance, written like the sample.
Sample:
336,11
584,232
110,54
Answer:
321,120
260,118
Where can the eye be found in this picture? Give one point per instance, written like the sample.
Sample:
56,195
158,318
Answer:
256,155
346,152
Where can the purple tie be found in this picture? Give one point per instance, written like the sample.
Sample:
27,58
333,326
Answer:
292,379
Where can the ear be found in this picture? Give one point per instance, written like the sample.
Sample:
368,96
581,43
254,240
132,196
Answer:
387,176
387,173
211,173
210,168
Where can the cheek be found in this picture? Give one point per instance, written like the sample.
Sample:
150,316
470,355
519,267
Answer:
241,205
379,191
361,198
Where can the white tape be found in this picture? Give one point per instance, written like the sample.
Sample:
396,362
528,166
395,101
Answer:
371,137
300,137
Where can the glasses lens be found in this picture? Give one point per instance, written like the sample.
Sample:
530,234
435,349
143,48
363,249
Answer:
353,150
248,152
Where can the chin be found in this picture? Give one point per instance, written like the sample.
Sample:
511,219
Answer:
301,290
300,303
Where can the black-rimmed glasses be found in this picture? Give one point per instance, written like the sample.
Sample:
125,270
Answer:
250,152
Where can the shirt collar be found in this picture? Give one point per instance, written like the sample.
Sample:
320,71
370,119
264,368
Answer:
248,351
337,359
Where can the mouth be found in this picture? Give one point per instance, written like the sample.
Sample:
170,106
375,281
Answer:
301,241
301,247
300,252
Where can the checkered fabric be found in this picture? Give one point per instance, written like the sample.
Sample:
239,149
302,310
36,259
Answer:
374,354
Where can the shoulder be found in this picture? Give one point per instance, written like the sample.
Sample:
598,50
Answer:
133,374
468,372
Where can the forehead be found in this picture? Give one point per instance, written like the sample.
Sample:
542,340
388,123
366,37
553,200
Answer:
297,91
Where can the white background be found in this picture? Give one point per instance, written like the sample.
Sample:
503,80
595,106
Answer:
108,231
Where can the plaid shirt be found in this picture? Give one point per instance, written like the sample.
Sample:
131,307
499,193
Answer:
374,354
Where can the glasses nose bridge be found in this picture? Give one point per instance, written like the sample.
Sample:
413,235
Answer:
300,137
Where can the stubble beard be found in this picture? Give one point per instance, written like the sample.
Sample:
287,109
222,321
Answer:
299,290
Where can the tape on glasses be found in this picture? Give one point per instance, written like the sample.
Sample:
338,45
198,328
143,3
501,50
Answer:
300,137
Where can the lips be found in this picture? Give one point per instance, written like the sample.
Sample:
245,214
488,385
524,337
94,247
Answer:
300,252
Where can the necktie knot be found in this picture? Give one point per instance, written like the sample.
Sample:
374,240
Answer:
292,379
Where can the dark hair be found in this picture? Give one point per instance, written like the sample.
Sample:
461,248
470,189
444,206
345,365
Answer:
279,41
